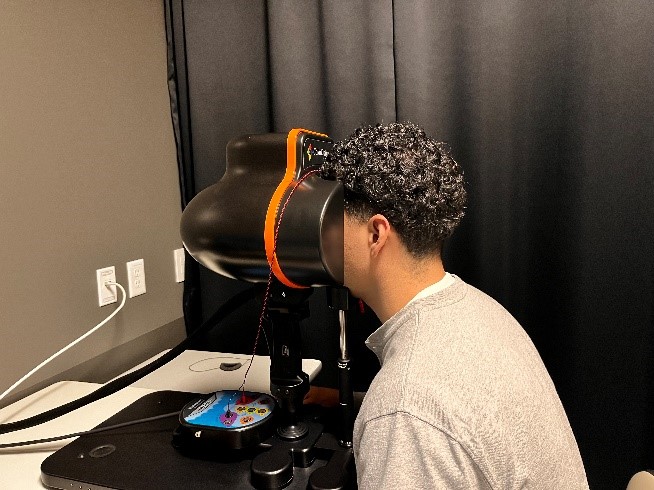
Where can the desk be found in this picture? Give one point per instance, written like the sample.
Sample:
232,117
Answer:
21,467
200,372
194,371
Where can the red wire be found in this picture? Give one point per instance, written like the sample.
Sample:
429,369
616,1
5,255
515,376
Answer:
270,278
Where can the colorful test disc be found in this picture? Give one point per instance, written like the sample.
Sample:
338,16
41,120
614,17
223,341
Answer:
230,409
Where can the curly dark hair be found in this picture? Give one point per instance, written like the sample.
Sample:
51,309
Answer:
400,172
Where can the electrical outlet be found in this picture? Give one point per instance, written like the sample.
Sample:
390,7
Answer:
106,294
179,264
136,277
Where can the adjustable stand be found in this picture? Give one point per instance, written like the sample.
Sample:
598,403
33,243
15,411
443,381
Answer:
288,383
338,299
299,454
298,442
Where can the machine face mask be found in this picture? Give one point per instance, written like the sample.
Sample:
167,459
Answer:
231,226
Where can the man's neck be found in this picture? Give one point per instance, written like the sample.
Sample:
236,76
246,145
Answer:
399,282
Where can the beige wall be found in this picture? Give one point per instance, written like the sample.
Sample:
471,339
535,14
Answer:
88,177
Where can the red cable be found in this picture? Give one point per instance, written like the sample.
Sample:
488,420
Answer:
270,277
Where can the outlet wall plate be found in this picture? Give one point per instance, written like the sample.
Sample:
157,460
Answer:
179,264
136,277
106,294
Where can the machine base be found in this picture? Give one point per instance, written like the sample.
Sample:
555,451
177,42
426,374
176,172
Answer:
143,456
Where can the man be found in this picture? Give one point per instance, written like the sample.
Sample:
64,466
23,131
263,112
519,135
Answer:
462,399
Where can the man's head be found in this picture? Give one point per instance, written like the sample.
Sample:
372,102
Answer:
397,171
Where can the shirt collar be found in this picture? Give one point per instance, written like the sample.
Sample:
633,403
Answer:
446,281
378,339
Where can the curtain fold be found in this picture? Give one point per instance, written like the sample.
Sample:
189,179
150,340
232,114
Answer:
331,68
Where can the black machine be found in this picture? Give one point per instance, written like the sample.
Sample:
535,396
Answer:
270,219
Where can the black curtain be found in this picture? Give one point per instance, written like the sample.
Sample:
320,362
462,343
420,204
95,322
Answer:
549,109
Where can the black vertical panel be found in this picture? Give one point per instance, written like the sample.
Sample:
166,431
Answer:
181,119
226,47
227,71
297,66
179,100
331,67
359,64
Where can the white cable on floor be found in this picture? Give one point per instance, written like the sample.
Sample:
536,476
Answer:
74,342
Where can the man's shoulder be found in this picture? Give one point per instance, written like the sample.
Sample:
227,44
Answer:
465,319
464,365
463,296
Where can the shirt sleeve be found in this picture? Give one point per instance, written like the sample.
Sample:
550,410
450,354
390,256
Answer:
402,451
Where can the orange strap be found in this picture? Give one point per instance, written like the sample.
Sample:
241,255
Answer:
274,205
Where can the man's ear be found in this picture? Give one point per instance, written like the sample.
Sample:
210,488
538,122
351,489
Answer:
379,230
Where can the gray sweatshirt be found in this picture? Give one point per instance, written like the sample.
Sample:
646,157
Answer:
462,400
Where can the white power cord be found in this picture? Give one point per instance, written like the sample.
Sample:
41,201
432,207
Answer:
74,342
